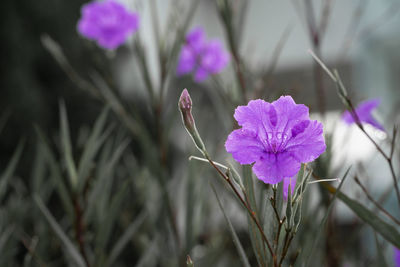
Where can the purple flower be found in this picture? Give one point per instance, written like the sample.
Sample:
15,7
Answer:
396,257
277,137
363,112
286,182
201,57
108,22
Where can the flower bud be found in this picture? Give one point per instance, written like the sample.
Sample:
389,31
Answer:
189,261
185,106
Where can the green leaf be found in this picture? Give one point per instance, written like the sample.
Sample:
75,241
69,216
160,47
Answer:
69,246
9,171
125,238
4,119
190,206
99,195
323,222
67,149
385,229
56,175
150,256
5,236
279,198
111,217
289,208
255,235
380,256
236,240
92,146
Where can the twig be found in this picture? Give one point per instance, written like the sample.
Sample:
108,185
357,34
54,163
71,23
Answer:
229,31
375,202
286,248
280,222
315,38
350,107
250,211
32,251
352,28
79,230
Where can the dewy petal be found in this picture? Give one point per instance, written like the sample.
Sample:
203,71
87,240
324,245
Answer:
254,116
272,168
309,144
289,113
286,181
277,136
244,146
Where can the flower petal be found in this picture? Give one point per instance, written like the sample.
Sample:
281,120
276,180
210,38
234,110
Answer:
187,61
396,257
254,116
107,22
370,120
307,145
213,57
288,113
366,107
196,39
272,168
363,111
286,182
244,146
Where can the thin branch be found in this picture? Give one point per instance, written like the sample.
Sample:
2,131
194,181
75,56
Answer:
286,248
375,202
350,35
250,211
79,230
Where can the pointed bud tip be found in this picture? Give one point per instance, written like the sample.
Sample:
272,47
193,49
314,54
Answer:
185,102
189,261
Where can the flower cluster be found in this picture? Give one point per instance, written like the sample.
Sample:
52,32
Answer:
363,111
108,22
277,137
200,56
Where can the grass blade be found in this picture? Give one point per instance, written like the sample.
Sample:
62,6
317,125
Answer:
385,229
9,171
125,238
69,246
56,174
92,146
255,235
236,240
66,145
323,222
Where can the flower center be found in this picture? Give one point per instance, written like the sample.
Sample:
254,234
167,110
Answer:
275,142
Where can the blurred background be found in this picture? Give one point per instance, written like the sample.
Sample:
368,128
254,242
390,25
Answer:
359,37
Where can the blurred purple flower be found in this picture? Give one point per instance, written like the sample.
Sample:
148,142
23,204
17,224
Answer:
277,137
396,257
201,57
363,111
108,22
